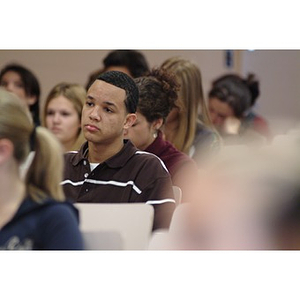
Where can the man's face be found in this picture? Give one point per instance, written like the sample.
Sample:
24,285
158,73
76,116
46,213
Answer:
104,114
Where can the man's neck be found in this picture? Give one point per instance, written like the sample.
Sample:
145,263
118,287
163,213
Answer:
99,153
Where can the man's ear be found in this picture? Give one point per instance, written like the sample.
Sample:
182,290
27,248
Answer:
130,119
6,150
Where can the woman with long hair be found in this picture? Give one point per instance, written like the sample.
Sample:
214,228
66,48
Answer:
34,214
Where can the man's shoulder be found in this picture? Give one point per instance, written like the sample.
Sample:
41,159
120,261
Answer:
149,158
76,156
70,156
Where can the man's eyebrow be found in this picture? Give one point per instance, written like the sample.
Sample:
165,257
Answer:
109,103
90,97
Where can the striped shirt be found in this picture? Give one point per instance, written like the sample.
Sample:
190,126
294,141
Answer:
129,176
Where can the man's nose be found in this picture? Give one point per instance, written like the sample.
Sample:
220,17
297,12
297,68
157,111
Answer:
94,114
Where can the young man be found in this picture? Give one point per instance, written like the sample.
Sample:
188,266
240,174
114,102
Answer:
109,169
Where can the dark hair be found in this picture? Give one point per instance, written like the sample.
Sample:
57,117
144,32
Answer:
232,90
31,86
250,81
158,93
133,60
125,82
253,85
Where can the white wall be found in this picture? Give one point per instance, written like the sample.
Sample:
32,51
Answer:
279,75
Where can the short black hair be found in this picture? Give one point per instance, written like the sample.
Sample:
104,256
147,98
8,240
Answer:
125,82
133,60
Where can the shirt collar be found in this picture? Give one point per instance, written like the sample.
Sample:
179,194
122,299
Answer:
116,161
81,155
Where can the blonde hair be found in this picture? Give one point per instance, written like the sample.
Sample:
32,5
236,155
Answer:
46,170
76,94
191,103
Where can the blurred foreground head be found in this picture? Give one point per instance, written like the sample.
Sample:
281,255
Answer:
246,200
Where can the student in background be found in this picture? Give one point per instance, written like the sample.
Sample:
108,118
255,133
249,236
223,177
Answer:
229,102
62,114
33,212
109,169
158,94
250,119
22,82
131,62
188,126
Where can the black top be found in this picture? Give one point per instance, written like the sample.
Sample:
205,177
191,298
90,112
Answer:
50,225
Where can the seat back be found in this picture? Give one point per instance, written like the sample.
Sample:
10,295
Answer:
179,218
133,221
102,240
177,194
174,237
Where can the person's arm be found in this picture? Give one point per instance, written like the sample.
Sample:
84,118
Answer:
160,195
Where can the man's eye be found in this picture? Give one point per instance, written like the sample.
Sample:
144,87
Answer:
108,110
88,103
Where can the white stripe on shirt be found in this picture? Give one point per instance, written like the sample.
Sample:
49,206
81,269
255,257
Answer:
149,153
160,201
72,183
112,182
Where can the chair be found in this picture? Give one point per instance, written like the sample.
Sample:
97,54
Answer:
160,240
177,194
102,240
133,221
174,237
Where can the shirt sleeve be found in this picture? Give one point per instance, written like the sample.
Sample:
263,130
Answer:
159,193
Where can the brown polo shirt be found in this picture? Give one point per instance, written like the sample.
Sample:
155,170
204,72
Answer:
129,176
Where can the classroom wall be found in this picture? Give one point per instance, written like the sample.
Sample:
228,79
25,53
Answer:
278,71
279,75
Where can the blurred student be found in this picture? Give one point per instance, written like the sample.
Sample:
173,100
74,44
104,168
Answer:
188,126
158,94
250,118
33,212
22,82
109,169
131,62
247,199
62,114
229,101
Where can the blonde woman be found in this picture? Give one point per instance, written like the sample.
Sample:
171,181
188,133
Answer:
188,126
33,212
62,114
